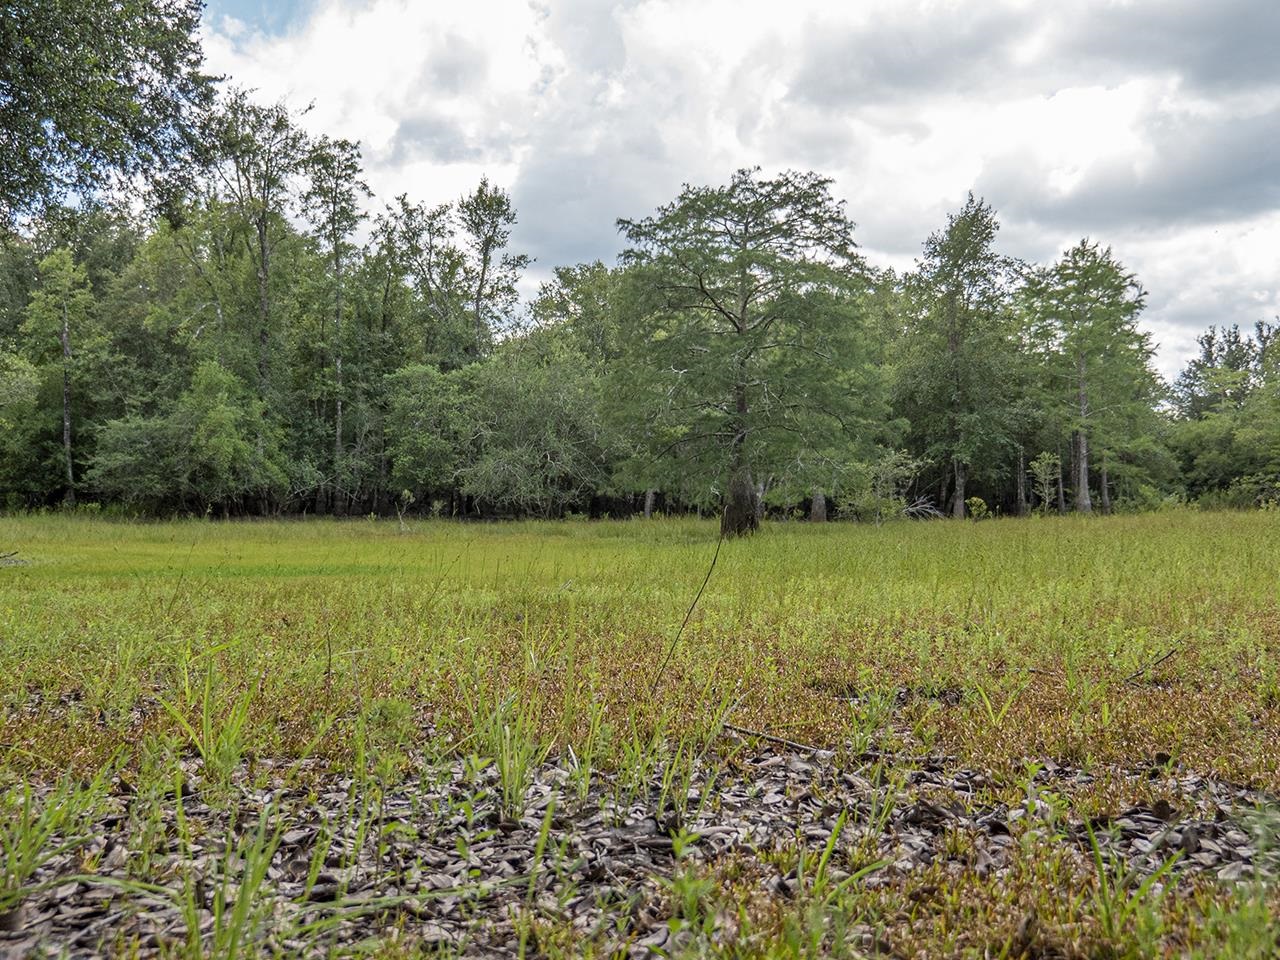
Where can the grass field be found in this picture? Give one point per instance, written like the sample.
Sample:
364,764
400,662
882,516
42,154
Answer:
1066,673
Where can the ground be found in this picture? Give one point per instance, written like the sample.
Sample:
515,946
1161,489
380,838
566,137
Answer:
1046,737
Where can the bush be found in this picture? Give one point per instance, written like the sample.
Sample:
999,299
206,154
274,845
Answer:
1244,493
977,508
1140,498
878,489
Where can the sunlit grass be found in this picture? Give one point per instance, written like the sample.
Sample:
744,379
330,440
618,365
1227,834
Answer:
997,640
1106,643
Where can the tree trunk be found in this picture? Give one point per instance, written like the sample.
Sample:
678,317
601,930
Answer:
70,496
337,372
264,306
818,507
1104,494
760,489
380,497
740,516
1022,484
1083,503
957,498
486,254
264,335
649,496
1062,497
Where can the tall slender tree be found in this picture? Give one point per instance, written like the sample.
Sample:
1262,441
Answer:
332,200
957,354
486,217
1098,362
58,312
464,277
260,152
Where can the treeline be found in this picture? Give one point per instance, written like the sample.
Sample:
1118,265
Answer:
259,345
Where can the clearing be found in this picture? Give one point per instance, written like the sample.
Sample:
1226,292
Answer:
1049,737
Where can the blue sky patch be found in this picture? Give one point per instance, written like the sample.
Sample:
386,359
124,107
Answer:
271,17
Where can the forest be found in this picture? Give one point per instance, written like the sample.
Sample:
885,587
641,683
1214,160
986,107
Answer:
224,321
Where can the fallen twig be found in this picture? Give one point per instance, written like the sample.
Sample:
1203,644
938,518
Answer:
781,741
657,677
1152,665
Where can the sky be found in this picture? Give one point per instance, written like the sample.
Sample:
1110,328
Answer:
1151,126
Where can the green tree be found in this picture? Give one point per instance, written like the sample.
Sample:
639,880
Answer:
1097,361
1228,368
260,153
742,301
492,272
420,241
426,430
533,410
464,278
206,452
92,87
19,382
223,459
58,312
582,300
1045,469
957,353
332,200
137,461
1228,418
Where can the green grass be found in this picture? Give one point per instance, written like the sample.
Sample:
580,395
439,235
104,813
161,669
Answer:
1035,626
997,643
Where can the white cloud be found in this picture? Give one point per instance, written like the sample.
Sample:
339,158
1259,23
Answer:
589,110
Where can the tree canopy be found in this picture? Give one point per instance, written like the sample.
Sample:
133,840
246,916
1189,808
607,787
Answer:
94,87
740,328
264,337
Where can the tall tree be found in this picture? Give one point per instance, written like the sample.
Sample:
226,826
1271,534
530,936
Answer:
91,87
1225,371
486,217
456,260
260,153
58,310
420,241
582,299
333,202
957,353
1097,360
1224,435
742,299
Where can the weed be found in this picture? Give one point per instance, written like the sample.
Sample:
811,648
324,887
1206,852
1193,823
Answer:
34,830
506,732
1122,897
218,738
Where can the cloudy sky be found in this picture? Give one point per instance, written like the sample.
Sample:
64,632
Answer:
1152,125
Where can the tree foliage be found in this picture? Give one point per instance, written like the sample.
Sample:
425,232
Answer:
93,87
958,352
739,331
261,348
